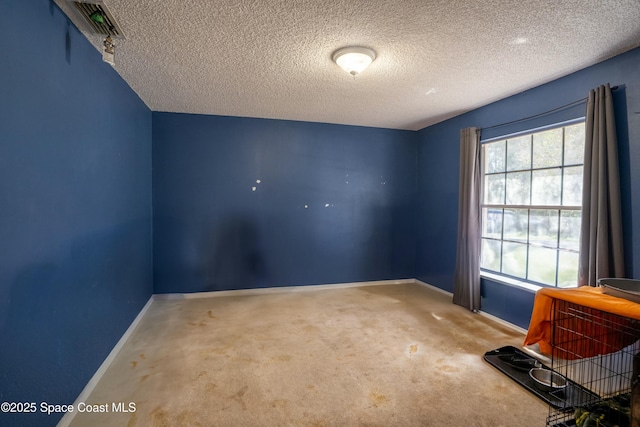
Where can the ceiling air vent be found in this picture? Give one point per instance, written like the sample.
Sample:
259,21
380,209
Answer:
97,18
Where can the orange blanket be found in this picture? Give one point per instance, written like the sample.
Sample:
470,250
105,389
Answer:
542,317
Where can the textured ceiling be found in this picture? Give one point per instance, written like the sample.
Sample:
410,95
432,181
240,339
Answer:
436,58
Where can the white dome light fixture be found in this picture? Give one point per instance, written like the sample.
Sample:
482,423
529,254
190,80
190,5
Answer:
354,59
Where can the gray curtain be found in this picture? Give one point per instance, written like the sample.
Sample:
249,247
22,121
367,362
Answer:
466,291
601,250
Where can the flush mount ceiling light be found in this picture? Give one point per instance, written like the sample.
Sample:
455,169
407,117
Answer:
354,59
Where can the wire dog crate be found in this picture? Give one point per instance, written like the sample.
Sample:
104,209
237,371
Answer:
595,350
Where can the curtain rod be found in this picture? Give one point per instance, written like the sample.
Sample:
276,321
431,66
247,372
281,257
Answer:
563,107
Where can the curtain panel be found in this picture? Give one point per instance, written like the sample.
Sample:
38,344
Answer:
466,292
601,245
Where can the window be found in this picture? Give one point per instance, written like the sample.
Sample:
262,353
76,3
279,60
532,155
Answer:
532,206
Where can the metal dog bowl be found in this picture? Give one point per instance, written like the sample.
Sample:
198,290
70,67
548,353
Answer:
547,380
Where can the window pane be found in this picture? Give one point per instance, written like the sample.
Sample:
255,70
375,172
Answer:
516,224
490,258
547,148
494,189
494,154
546,187
572,186
519,153
567,269
518,188
543,227
514,259
522,177
492,223
542,265
574,144
570,229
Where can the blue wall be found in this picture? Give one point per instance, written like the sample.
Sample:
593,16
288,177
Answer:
212,232
77,259
438,157
75,215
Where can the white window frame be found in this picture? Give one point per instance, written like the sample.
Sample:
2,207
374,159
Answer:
503,278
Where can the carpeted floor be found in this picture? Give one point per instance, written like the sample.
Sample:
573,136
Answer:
385,355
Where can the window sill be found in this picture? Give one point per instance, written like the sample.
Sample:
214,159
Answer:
510,282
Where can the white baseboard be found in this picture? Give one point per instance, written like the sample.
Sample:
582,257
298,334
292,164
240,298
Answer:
503,322
434,288
482,313
84,395
281,289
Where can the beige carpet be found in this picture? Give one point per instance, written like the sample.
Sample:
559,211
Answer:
386,355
